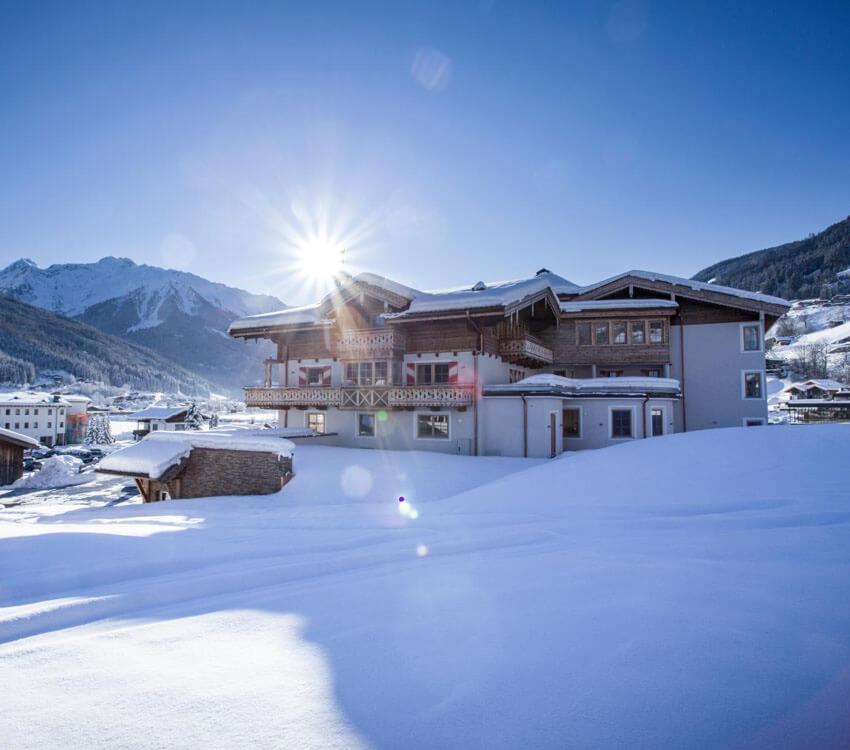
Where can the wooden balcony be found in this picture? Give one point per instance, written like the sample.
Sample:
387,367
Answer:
372,343
525,350
361,397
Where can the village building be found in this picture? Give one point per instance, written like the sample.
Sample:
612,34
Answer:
817,400
815,388
12,447
159,418
170,465
524,368
41,416
76,418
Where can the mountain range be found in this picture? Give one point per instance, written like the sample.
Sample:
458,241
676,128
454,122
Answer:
818,266
176,314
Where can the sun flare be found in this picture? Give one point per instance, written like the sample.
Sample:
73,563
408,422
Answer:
321,261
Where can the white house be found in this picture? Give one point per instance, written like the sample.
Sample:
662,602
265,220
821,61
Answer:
156,418
37,415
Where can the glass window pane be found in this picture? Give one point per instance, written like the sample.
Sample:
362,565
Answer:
618,333
366,425
601,330
572,423
656,331
584,334
638,332
365,373
621,423
752,341
432,426
423,374
380,373
752,385
351,373
441,373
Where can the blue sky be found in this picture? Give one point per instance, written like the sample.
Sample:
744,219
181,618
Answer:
444,143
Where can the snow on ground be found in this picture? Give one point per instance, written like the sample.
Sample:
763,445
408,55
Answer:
688,591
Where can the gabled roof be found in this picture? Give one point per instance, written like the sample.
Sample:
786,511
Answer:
29,398
690,284
16,438
159,412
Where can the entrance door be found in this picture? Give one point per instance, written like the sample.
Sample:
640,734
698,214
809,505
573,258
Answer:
657,417
553,434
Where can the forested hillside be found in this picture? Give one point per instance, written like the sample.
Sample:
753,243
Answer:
814,267
32,339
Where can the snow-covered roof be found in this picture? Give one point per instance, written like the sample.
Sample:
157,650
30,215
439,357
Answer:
31,397
825,384
382,282
159,412
547,383
25,441
158,452
616,304
691,284
304,315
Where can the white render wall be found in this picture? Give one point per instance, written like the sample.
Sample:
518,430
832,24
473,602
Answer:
713,382
23,417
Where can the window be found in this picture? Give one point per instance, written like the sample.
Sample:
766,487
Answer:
656,331
583,334
17,412
26,425
618,333
601,330
657,422
753,384
572,423
50,411
432,426
610,373
753,422
751,337
365,425
50,424
35,425
315,375
515,375
35,412
26,412
366,373
433,373
8,411
651,373
621,423
17,425
154,426
162,495
316,422
8,426
638,330
179,427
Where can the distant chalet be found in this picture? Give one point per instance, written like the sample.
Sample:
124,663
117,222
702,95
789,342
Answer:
532,367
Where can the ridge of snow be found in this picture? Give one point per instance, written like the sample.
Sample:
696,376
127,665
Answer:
616,304
548,381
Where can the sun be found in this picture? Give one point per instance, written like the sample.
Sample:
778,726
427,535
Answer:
321,261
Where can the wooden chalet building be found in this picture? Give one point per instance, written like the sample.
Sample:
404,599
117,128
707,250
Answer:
530,367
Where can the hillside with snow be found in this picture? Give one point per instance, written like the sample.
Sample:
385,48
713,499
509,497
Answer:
513,603
177,314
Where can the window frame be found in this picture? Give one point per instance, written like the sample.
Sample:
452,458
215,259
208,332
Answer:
309,371
358,433
632,325
759,420
613,328
597,325
589,324
321,414
446,414
633,422
762,384
433,364
663,410
564,435
743,340
660,322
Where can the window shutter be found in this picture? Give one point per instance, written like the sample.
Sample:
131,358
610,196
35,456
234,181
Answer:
302,376
452,373
411,373
326,375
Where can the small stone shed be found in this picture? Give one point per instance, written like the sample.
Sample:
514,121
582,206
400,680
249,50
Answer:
12,447
171,465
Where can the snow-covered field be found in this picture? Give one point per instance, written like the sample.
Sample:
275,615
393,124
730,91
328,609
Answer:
689,591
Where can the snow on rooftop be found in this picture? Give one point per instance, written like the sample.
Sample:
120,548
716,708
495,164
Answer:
616,304
585,386
17,437
159,451
690,283
31,397
304,315
159,412
389,285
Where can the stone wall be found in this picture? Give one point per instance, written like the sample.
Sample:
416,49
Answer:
212,472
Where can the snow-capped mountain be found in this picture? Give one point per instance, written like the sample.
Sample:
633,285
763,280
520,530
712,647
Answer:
178,314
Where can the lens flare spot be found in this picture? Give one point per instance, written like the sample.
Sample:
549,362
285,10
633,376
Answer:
422,550
383,416
355,481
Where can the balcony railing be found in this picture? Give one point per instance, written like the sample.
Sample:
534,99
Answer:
361,397
372,343
525,350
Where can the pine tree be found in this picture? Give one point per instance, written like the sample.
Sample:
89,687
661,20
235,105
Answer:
99,432
194,419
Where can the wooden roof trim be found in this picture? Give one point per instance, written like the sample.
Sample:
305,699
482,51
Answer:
681,290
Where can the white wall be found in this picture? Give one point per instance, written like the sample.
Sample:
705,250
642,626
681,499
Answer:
23,418
713,384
